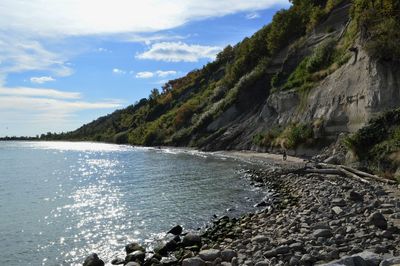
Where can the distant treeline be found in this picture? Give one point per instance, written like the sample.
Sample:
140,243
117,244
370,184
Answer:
47,136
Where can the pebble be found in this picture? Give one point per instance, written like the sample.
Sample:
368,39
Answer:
322,233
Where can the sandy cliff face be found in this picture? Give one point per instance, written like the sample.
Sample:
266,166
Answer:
345,100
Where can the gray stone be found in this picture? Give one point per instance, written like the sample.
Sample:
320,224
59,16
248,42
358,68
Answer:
176,230
364,258
168,261
378,220
347,261
117,261
333,255
259,239
298,246
338,202
191,240
270,253
395,216
93,260
355,196
387,234
262,263
322,233
132,263
307,259
282,249
133,247
294,261
391,261
228,255
320,226
209,254
337,210
380,249
195,261
371,258
235,261
135,256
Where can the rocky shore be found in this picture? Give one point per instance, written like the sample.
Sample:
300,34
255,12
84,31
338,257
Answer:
310,219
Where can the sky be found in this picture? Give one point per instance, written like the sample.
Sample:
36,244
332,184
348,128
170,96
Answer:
64,63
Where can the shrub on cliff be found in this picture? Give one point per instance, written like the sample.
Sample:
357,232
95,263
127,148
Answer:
378,22
378,143
290,137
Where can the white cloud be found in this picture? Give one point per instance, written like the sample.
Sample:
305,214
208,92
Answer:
179,51
163,74
33,92
21,54
56,106
158,73
152,37
102,50
253,15
144,75
25,35
77,17
30,111
118,71
41,80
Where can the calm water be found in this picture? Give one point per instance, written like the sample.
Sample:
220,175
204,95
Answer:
60,201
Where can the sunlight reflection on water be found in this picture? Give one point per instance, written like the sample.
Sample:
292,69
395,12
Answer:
99,197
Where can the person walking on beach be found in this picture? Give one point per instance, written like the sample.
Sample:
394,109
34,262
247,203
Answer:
284,154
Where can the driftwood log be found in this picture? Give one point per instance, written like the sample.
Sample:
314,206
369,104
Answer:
324,168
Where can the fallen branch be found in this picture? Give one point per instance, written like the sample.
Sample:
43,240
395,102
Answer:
322,171
335,171
316,198
331,169
361,173
350,174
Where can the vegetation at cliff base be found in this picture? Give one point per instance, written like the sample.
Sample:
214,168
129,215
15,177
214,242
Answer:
378,143
289,137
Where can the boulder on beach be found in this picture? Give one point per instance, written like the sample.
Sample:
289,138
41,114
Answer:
378,220
117,261
228,254
93,260
132,263
390,262
355,196
195,261
209,254
176,230
137,255
133,247
191,240
364,258
322,233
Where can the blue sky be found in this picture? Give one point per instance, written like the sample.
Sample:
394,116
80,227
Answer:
64,63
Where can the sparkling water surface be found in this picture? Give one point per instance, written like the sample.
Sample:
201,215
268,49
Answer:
60,201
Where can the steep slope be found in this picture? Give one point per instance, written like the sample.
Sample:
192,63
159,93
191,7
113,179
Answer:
321,68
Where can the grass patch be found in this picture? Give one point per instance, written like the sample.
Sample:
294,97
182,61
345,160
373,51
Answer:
290,137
